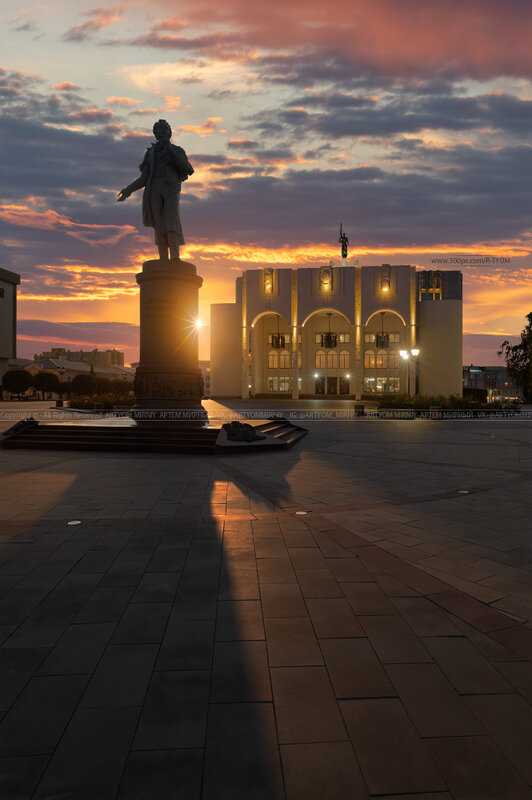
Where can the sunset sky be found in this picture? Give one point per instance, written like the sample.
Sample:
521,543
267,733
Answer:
410,122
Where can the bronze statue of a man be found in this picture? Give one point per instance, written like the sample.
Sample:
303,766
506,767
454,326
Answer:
162,172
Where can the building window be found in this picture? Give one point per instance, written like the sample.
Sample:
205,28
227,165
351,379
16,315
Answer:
393,360
381,362
284,384
369,338
369,359
320,359
284,360
394,338
273,360
276,384
369,385
343,338
273,384
299,361
344,359
332,360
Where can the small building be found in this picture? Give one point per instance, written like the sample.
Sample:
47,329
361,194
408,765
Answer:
346,331
205,367
494,383
98,358
8,318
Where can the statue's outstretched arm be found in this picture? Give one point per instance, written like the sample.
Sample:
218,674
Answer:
133,187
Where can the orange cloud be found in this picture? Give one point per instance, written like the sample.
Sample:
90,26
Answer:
66,86
24,216
121,101
206,129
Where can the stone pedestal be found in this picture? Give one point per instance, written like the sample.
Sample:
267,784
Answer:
168,383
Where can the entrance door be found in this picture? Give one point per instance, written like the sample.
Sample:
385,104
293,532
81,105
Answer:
319,385
344,386
332,385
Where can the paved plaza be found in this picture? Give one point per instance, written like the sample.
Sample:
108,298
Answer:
345,620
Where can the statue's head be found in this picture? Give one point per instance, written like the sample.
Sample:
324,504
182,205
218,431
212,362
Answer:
162,130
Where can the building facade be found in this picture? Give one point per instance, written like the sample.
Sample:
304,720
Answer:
348,331
8,318
98,358
494,382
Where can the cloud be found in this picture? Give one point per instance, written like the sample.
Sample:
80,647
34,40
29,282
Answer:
24,216
66,86
121,101
91,115
98,18
208,127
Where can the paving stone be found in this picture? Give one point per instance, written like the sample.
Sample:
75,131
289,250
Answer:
354,669
305,707
78,650
425,618
90,758
175,711
244,764
298,538
74,589
157,587
123,574
367,598
275,570
105,605
18,604
393,640
317,583
473,611
197,601
348,569
167,559
270,548
98,561
291,642
240,673
333,618
416,579
519,674
187,644
142,623
433,705
307,558
36,720
241,584
163,775
19,776
18,665
330,548
518,638
464,666
121,678
489,647
508,720
239,620
240,558
282,600
43,627
475,769
391,755
324,771
266,530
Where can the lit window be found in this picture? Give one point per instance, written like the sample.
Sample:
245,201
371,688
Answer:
369,359
369,338
284,384
332,359
344,359
393,360
284,360
273,359
317,338
343,337
320,359
381,362
394,338
299,361
272,384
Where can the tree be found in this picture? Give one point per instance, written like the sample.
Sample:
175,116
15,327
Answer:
46,382
16,381
83,384
104,385
518,359
65,388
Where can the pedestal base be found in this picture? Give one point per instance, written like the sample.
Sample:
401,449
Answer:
168,383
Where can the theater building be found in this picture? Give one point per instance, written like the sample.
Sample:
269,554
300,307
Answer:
343,332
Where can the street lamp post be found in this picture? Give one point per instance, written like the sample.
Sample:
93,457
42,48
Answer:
411,357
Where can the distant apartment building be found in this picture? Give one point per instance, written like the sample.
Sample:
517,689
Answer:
98,358
493,381
346,331
8,318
